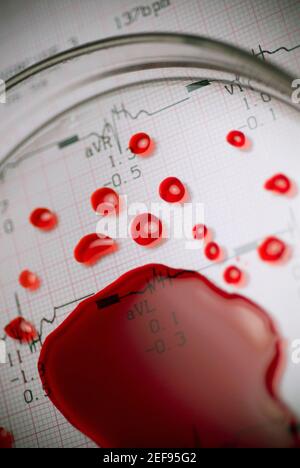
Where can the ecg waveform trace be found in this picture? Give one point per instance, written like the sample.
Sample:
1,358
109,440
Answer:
107,301
51,320
192,16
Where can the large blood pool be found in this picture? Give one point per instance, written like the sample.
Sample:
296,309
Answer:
164,358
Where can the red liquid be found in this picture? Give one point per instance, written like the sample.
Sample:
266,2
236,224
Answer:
43,218
232,275
236,138
105,201
164,358
272,249
146,229
171,190
29,280
139,143
21,330
278,183
212,251
92,247
199,231
6,439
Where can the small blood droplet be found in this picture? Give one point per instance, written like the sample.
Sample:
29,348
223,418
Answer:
6,439
272,249
232,275
171,190
29,280
278,183
105,201
43,218
21,330
236,138
92,247
146,229
139,143
199,231
212,251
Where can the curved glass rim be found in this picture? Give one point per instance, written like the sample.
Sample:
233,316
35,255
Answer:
234,59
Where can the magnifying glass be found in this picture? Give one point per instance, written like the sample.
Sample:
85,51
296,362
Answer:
178,157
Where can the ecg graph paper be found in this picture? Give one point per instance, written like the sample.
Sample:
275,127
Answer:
270,29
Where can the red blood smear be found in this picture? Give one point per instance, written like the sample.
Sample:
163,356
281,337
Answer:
139,143
92,247
171,190
105,201
278,183
164,358
6,439
212,251
29,280
272,249
21,330
199,231
43,218
236,138
232,275
146,229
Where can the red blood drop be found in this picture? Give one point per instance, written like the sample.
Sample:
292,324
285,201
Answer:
105,201
278,183
171,190
272,249
232,275
29,280
21,330
146,229
43,218
6,439
92,247
212,251
173,361
139,143
199,231
236,138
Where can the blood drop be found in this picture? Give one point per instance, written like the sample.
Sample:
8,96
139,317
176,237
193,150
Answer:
21,330
171,190
278,183
29,280
146,229
236,138
92,247
6,439
43,218
232,275
164,358
272,249
199,231
212,251
105,201
139,143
